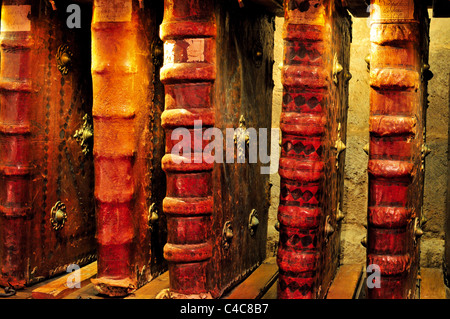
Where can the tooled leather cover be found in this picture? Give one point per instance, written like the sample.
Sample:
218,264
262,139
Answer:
315,78
213,73
42,163
128,145
399,55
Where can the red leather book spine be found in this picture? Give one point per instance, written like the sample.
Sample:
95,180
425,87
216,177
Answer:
313,125
113,68
396,126
301,168
188,31
15,158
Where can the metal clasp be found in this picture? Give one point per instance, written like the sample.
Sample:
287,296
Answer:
83,134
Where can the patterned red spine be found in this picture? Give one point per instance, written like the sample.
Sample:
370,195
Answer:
396,127
305,80
15,134
188,31
113,69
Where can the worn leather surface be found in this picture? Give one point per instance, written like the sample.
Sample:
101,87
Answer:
50,111
399,51
128,145
313,124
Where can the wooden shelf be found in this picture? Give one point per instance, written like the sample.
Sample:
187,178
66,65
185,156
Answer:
349,283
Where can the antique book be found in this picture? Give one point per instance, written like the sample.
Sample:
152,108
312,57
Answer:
315,78
128,144
46,171
217,74
398,72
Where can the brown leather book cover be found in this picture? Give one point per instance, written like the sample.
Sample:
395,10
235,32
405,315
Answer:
46,172
315,78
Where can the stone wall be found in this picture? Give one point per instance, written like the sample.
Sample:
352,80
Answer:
355,193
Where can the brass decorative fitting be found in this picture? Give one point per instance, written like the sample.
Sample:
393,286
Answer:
337,68
366,148
367,59
227,234
253,222
425,151
339,145
241,132
152,216
418,232
58,215
329,229
348,76
63,59
423,220
83,134
277,226
364,241
339,214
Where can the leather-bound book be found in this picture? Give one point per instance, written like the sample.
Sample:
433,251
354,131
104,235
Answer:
46,172
217,74
128,144
398,74
315,76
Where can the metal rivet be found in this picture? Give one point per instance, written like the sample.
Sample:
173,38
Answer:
152,216
340,215
348,76
339,146
329,229
423,220
227,234
253,222
425,150
418,232
367,59
277,226
366,148
337,68
364,241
